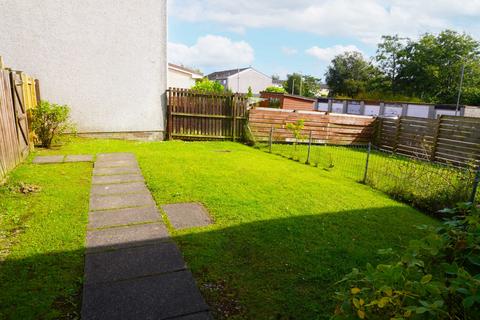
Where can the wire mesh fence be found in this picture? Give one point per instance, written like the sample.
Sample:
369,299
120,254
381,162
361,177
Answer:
427,185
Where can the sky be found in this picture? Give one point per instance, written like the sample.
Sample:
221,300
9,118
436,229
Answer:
281,37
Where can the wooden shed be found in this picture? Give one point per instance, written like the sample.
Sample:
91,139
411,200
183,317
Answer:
286,101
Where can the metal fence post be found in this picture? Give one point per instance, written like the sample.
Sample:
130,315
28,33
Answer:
366,162
475,185
309,147
270,140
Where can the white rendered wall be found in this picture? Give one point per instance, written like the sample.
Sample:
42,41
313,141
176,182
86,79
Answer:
418,110
249,78
105,59
177,79
372,110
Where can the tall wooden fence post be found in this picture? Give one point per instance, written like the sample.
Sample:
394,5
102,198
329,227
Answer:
169,115
234,111
397,134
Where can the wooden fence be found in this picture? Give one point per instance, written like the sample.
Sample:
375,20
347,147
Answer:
448,139
325,128
18,95
197,116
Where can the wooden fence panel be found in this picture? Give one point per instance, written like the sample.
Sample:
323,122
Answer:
198,116
332,129
448,139
18,95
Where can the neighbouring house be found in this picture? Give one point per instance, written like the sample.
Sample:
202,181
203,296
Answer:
182,77
239,80
105,59
286,101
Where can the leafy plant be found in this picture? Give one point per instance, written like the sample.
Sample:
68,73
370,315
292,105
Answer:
436,277
296,129
250,92
50,121
274,89
206,85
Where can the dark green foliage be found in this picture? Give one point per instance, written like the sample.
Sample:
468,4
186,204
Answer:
437,277
50,121
424,70
303,85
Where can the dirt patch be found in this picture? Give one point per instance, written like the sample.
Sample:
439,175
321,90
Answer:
223,300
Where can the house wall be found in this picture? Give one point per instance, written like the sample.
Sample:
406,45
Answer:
105,59
250,77
177,79
291,103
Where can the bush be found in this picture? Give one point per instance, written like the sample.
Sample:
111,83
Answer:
50,121
438,277
275,89
206,85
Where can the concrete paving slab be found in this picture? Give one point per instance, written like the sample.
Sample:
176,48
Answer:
123,188
116,170
115,156
121,201
195,316
117,178
135,262
112,218
187,215
48,159
79,158
123,237
159,297
116,163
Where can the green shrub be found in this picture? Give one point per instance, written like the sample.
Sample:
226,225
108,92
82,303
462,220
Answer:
275,89
437,277
50,121
208,86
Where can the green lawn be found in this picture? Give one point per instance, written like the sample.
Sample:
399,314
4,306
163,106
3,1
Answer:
42,238
284,232
425,185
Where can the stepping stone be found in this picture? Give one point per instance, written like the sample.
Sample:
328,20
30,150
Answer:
187,215
117,178
121,201
79,158
195,316
159,297
112,218
115,156
133,263
117,170
129,236
123,188
116,163
48,159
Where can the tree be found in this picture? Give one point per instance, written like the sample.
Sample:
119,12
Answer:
206,85
275,89
392,54
303,85
349,74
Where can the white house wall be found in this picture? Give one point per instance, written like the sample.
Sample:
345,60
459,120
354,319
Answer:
106,59
177,79
249,78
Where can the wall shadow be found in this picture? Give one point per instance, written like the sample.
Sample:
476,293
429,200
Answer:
275,269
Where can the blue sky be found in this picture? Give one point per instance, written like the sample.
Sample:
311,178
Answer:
280,37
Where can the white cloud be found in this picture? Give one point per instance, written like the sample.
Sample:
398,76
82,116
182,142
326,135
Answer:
289,51
327,54
212,51
366,20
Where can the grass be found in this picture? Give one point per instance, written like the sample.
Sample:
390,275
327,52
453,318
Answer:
43,214
425,185
284,233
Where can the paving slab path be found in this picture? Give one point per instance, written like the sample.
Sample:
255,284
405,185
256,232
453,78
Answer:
133,270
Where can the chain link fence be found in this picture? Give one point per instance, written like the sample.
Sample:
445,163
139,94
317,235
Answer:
429,186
